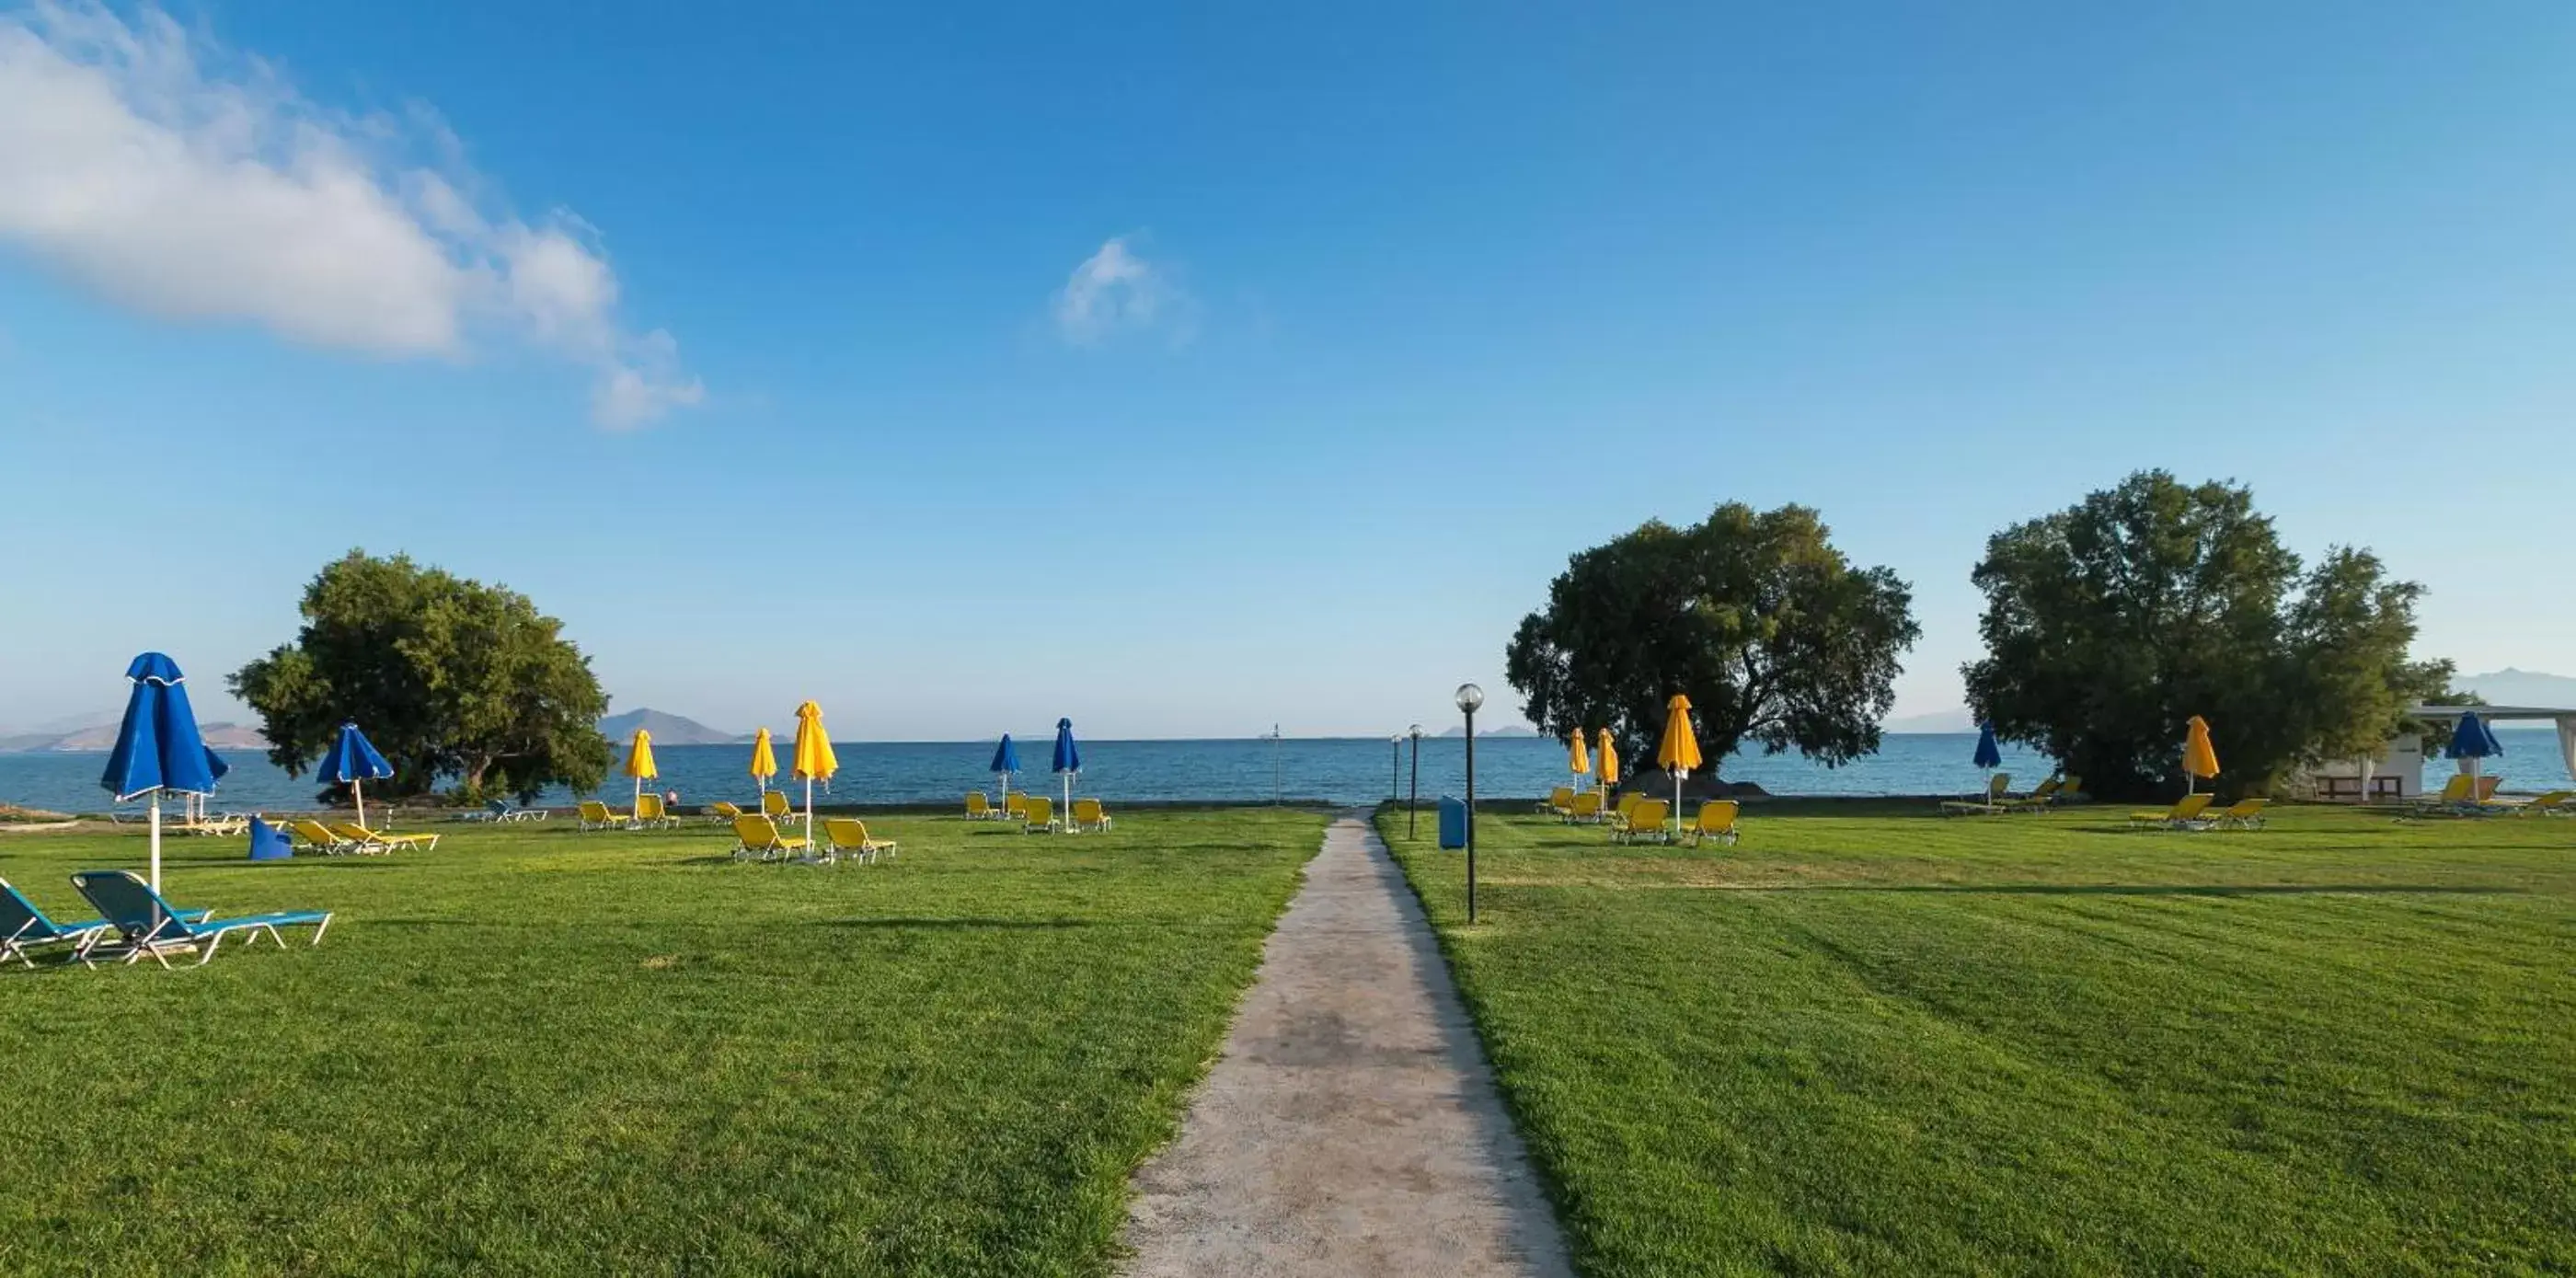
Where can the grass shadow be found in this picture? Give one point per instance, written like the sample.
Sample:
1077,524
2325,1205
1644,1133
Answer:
959,925
2145,889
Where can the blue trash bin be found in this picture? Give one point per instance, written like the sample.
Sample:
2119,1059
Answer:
1453,823
268,843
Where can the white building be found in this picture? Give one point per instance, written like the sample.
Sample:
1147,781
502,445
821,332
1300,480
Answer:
2398,772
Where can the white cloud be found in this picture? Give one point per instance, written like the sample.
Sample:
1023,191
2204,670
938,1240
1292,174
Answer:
1114,291
645,384
183,181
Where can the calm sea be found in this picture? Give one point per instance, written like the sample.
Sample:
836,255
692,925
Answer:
1338,770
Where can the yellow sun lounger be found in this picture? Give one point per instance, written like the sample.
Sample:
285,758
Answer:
756,838
1039,814
2553,803
1645,821
850,835
724,812
2041,796
979,807
2055,792
2454,791
1558,801
1716,820
1089,815
1586,809
2180,816
318,837
774,805
367,840
650,810
2244,814
596,815
1997,787
1627,803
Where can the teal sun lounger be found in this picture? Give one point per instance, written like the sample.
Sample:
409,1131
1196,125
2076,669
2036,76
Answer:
23,927
148,924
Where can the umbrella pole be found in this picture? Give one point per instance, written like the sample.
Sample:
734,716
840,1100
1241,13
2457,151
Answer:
358,791
156,841
1068,801
1678,774
809,817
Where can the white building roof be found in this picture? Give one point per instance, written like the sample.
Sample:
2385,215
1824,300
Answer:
2448,713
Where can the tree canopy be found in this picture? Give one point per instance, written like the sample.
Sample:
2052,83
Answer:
2112,622
1773,635
447,676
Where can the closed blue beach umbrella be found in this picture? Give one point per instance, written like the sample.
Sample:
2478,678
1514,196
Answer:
353,761
2473,740
1989,756
1068,761
158,747
1006,761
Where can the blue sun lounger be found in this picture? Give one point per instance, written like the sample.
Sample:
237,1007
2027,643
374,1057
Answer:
149,926
23,927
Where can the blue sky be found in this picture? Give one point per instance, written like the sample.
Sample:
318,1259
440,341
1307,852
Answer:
1186,370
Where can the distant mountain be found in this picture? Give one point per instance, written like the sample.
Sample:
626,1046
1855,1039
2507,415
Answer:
228,736
101,737
1507,730
97,736
1951,720
2511,687
667,729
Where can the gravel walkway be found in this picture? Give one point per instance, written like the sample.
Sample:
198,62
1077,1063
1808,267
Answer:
1352,1125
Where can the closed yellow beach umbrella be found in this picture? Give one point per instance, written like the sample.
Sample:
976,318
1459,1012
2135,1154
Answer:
2199,757
814,759
1607,760
1579,760
764,761
639,761
1679,754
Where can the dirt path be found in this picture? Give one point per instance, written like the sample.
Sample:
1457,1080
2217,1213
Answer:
1352,1125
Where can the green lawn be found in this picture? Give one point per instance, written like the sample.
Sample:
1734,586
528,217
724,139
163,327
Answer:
1872,1041
534,1050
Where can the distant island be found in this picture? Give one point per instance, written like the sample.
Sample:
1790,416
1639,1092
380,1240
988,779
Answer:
1507,730
101,737
667,729
2511,687
1952,720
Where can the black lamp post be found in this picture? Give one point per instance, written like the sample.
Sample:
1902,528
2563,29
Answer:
1415,799
1469,697
1394,766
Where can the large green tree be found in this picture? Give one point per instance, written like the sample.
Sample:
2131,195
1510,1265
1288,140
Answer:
449,677
2112,622
1771,632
